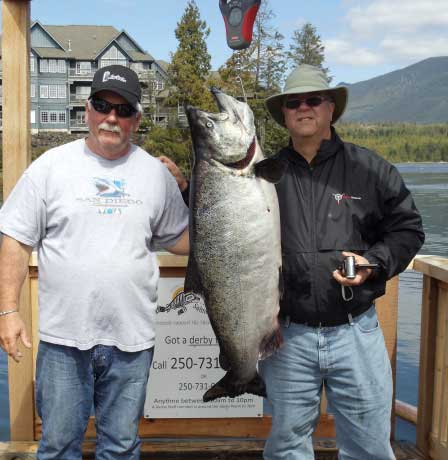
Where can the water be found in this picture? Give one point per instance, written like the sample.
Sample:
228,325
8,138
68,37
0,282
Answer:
429,185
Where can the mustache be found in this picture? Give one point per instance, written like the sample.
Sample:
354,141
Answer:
108,127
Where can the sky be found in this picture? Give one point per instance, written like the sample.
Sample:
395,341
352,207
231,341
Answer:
362,38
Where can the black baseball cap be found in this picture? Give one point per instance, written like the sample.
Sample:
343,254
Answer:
120,80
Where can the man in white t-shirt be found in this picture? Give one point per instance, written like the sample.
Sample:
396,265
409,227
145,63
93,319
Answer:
96,209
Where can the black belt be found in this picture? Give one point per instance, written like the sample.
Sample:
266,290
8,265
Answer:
348,319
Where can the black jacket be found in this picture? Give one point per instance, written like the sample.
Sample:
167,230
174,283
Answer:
349,199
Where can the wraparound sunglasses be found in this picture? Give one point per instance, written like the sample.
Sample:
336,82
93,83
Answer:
122,110
311,101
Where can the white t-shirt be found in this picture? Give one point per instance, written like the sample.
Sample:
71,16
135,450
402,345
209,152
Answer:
96,224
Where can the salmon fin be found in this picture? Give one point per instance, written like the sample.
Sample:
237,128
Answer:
224,361
226,388
271,343
192,281
271,169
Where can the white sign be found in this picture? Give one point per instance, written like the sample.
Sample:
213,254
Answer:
186,362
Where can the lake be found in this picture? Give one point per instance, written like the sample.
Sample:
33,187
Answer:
429,185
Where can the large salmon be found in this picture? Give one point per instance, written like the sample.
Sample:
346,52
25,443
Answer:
235,255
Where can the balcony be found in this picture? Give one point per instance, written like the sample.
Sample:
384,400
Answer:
83,75
78,100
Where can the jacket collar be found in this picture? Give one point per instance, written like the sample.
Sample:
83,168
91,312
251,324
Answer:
328,148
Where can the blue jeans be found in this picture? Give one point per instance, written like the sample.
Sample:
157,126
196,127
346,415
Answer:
69,381
352,362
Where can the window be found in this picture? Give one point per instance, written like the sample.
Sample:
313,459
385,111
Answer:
44,91
62,92
44,117
81,118
33,90
53,91
52,65
157,85
33,117
61,66
82,92
83,68
53,117
44,65
61,117
32,63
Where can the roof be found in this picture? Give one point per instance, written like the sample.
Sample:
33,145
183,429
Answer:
84,42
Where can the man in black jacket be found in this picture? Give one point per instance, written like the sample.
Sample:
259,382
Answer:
337,201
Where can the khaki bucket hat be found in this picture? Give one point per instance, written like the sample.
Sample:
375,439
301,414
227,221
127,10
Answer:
307,79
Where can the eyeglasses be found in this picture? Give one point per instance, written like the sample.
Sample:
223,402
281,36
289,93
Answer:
310,101
122,110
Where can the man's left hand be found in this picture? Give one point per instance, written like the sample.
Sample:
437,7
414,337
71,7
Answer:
361,273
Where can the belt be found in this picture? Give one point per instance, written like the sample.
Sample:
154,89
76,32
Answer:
348,319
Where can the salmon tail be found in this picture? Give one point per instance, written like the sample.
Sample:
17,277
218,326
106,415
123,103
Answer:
226,388
271,343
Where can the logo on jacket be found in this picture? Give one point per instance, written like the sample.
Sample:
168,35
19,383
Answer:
343,196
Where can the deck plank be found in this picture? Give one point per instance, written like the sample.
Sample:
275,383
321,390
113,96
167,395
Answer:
212,449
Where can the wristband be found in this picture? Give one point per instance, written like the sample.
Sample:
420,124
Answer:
4,313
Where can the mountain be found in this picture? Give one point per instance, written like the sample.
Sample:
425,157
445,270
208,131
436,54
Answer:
417,94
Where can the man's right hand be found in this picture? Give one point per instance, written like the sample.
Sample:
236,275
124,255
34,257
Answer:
12,331
175,171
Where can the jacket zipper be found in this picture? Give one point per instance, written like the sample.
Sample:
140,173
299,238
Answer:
314,240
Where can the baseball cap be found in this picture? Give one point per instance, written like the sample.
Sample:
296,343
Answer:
120,80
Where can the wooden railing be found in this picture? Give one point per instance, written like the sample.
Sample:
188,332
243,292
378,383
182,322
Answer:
431,417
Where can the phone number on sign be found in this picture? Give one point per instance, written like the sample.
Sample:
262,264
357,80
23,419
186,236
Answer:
197,386
180,363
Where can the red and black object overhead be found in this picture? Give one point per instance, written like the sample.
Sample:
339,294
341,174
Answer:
239,17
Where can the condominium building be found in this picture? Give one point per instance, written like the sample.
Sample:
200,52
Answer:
63,61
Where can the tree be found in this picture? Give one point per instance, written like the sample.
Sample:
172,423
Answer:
306,48
191,63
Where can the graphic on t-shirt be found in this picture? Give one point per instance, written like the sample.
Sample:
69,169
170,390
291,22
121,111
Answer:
109,187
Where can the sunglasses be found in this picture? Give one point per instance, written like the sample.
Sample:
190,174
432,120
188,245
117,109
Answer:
122,110
311,101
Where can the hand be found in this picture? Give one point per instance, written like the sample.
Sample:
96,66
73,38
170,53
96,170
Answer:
361,273
175,171
12,328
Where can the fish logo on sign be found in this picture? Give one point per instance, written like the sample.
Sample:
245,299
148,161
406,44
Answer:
180,303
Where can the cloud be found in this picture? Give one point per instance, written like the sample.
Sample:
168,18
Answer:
345,52
420,48
384,31
410,16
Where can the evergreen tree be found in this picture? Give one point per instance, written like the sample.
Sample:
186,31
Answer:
190,64
307,48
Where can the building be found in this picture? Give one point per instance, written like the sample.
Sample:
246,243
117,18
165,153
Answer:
63,60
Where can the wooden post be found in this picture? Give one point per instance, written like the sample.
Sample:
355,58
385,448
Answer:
387,310
16,157
427,363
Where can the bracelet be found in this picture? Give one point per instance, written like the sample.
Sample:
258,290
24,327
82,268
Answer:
4,313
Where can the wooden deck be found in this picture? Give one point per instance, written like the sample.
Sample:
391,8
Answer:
210,449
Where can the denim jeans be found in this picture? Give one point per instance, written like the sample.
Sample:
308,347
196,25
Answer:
352,362
69,381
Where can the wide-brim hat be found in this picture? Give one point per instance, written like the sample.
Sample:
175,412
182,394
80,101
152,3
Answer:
307,79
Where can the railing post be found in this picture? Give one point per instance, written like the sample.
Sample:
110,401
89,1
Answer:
16,157
427,362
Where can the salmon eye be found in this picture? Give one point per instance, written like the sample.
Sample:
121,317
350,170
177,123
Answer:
209,124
